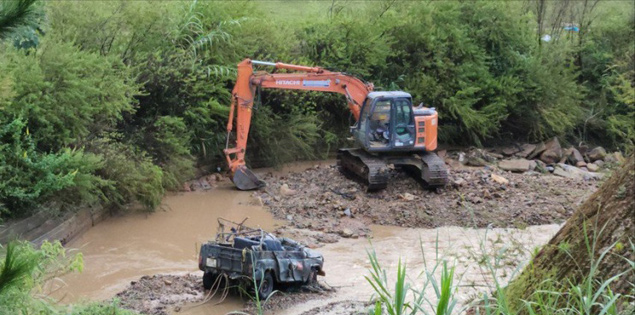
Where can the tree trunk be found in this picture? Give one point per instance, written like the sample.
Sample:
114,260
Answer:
605,222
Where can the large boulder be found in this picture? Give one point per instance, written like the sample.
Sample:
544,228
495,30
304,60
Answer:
526,150
569,171
553,152
598,153
476,161
576,158
509,151
477,157
515,165
540,147
565,155
558,171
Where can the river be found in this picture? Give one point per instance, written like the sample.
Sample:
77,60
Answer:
127,247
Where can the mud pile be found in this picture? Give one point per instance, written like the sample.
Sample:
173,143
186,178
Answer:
156,295
168,294
322,199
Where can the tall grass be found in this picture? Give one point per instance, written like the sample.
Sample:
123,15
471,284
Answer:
588,296
396,301
255,297
393,300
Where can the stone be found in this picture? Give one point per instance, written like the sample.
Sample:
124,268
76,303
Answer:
541,166
509,151
575,172
204,184
460,182
598,153
540,147
407,196
347,212
462,158
532,165
289,217
553,152
575,157
580,164
515,165
562,173
526,150
286,191
500,179
592,167
442,153
346,233
476,157
566,153
599,163
476,161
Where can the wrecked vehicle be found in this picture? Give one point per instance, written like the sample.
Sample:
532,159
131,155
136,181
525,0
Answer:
252,256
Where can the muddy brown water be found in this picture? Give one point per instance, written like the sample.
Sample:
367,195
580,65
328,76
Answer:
125,248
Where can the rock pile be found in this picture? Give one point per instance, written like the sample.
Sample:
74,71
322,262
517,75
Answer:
333,206
548,156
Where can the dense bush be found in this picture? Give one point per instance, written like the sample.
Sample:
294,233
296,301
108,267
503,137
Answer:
122,99
30,177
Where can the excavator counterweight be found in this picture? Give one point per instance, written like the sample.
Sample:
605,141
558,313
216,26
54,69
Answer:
388,129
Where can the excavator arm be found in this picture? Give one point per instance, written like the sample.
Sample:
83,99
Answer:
303,78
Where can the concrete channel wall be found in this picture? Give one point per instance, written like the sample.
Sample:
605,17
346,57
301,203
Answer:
41,227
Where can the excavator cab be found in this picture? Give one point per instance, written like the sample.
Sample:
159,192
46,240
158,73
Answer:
386,123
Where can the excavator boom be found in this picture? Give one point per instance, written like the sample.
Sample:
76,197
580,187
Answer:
305,78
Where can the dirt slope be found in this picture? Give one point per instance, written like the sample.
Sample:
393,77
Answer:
608,220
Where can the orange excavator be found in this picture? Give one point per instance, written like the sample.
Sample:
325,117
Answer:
388,129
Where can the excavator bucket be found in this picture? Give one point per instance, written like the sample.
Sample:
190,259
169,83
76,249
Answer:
245,179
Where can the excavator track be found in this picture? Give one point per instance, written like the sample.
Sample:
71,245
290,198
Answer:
371,169
427,167
434,172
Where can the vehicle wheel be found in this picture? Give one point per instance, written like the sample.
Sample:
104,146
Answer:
265,286
208,280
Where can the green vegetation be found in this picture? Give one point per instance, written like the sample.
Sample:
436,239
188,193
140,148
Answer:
115,102
589,296
23,272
